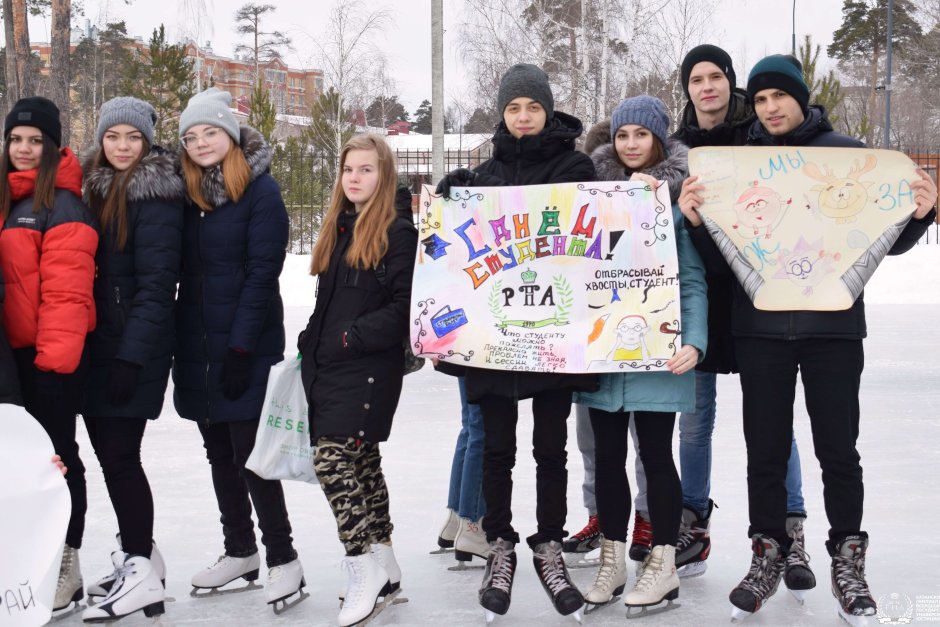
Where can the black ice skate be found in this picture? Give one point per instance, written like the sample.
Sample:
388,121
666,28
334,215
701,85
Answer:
798,576
694,543
642,542
583,548
496,591
550,567
762,579
848,579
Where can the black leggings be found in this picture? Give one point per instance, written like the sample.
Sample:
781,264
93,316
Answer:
59,417
228,446
664,490
117,444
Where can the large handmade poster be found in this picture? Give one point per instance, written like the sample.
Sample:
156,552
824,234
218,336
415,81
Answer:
804,228
577,277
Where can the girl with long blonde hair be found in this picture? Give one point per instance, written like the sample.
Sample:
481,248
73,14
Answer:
353,362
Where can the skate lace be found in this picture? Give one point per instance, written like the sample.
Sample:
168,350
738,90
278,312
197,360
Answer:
608,566
590,529
67,559
275,574
219,563
686,538
797,555
553,571
850,578
759,578
501,577
642,531
652,569
120,574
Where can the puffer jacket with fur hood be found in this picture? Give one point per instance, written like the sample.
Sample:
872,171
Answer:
229,296
135,285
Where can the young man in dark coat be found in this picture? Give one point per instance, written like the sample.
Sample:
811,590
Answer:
826,348
717,114
533,144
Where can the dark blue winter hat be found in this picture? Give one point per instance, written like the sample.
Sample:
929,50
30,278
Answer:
645,111
779,71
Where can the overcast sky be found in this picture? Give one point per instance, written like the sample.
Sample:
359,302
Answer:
748,29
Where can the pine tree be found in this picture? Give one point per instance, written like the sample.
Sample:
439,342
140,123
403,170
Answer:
384,110
263,114
164,77
264,45
330,126
825,91
422,122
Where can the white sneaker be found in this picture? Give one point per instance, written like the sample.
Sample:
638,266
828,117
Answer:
471,540
136,587
366,581
385,556
68,587
228,569
284,581
659,580
445,539
102,587
611,577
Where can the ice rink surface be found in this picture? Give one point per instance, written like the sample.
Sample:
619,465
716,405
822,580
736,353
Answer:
899,445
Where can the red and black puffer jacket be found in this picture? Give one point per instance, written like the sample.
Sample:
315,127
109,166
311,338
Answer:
48,263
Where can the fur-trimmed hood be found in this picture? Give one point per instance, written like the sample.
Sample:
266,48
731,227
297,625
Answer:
258,153
673,169
597,137
156,177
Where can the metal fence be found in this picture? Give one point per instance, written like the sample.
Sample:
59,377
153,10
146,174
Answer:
306,181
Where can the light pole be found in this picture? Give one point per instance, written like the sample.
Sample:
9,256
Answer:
887,143
793,32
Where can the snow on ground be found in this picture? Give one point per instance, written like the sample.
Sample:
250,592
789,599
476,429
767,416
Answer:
900,428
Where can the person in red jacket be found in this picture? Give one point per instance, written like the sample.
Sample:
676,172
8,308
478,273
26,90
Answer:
47,256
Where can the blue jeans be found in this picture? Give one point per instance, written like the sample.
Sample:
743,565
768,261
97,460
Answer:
466,473
695,451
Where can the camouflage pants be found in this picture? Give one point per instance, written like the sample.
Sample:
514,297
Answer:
350,473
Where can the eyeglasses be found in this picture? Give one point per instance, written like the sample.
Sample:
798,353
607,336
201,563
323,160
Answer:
190,140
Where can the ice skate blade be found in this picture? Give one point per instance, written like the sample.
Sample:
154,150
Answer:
738,615
200,593
640,611
590,608
442,551
74,607
461,566
693,569
279,606
392,598
578,615
853,620
799,595
489,616
581,561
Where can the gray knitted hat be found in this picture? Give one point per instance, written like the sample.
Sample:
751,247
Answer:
210,107
127,110
528,81
644,111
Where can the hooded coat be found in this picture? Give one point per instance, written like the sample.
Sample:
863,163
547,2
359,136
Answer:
732,132
658,391
549,157
353,360
136,285
229,297
747,320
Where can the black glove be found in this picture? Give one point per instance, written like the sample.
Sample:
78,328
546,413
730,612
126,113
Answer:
236,374
50,386
461,177
122,382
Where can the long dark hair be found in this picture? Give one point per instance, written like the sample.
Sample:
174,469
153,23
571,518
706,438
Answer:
44,193
111,209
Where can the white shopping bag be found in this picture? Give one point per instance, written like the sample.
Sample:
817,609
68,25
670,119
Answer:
282,447
34,513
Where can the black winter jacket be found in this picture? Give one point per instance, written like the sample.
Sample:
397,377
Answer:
747,320
135,287
352,357
732,132
549,157
229,296
9,376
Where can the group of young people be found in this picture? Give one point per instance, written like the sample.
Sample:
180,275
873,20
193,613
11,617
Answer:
145,261
722,332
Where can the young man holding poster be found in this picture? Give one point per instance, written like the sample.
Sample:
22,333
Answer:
717,114
826,348
533,144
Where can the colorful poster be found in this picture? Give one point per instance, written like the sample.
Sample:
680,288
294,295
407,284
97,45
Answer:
804,228
36,506
577,277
